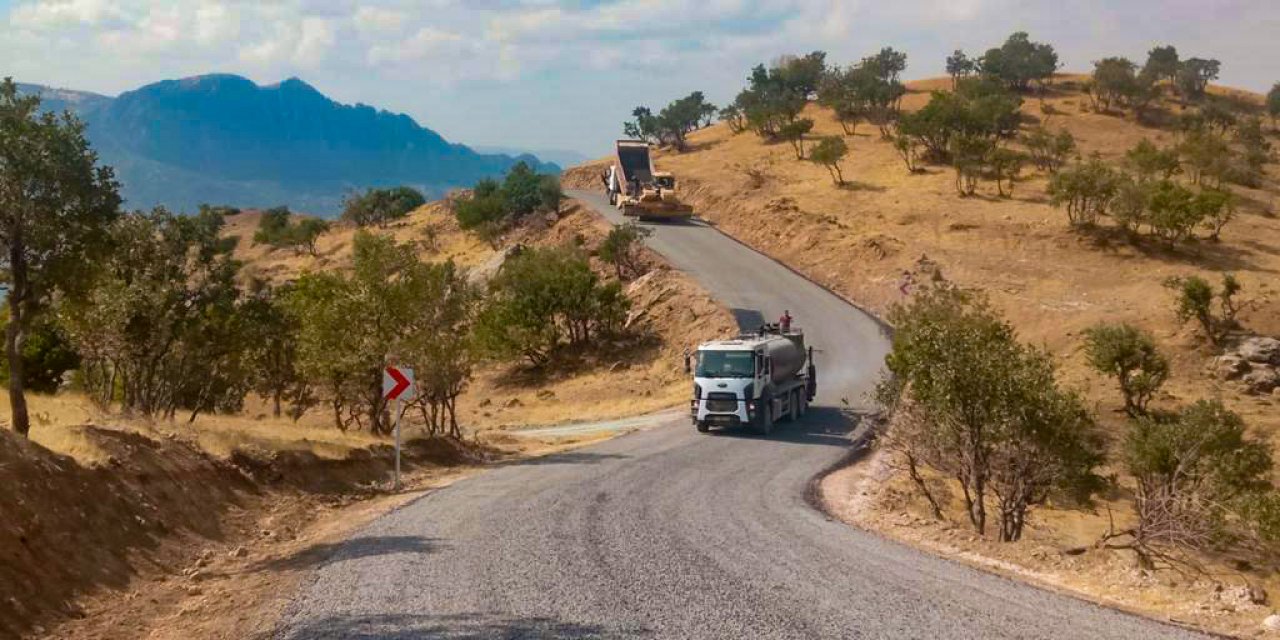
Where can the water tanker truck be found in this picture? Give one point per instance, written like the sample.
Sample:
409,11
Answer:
753,380
639,190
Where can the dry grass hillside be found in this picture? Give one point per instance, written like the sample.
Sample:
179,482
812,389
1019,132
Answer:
1050,282
635,378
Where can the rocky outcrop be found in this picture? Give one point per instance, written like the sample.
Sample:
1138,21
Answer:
1254,361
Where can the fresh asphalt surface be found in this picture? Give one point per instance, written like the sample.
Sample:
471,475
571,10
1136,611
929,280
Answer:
667,533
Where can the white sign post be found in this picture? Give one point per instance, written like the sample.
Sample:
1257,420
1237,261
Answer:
397,385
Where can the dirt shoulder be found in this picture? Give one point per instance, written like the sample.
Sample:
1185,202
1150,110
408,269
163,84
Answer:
1057,554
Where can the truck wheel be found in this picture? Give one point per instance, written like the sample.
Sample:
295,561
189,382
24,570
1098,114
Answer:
702,426
804,402
764,424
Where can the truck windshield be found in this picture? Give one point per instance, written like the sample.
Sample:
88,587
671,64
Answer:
726,364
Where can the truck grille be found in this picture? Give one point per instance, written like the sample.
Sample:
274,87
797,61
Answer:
726,402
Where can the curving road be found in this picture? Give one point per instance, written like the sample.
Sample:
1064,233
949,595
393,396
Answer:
666,533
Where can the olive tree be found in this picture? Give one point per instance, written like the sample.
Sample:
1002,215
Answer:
829,152
1086,189
57,204
621,248
1128,354
1202,483
1162,63
988,411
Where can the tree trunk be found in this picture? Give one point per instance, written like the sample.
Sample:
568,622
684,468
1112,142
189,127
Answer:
15,336
17,386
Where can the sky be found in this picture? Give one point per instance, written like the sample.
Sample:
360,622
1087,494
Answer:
547,74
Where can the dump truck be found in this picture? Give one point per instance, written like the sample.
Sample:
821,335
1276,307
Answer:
753,380
639,190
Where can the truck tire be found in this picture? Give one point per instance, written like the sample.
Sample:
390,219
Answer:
702,426
804,402
764,423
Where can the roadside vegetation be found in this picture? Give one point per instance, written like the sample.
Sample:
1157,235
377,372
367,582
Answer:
150,313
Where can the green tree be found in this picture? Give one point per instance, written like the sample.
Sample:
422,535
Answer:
46,356
381,206
673,124
1130,205
1086,188
621,248
1019,61
840,91
1049,151
1208,157
276,230
1194,299
1005,165
959,67
992,415
829,152
1255,153
1199,480
543,297
1162,63
162,329
734,117
794,132
1150,161
1128,354
1172,211
58,204
969,154
1194,76
272,354
1215,209
803,74
979,109
390,304
1113,80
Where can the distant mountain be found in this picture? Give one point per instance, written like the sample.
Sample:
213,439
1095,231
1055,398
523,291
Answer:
223,139
565,158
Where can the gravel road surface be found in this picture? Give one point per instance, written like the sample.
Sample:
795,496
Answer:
667,533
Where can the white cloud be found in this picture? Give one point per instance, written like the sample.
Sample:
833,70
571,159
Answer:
54,14
377,21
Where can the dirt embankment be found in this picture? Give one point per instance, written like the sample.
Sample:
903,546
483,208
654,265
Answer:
1048,280
113,549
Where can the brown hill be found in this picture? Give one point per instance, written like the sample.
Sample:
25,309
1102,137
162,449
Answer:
1051,283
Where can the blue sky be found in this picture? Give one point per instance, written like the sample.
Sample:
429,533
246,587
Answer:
542,74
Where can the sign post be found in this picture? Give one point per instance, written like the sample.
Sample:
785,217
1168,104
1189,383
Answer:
397,385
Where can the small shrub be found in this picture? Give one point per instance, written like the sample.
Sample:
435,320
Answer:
828,153
1128,354
1086,189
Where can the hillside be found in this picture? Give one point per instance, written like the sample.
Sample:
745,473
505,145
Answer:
628,379
226,140
1051,282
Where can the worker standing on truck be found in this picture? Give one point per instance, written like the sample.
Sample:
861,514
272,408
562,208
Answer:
784,322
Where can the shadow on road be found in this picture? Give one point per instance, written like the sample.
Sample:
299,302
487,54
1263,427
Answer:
828,426
319,555
458,626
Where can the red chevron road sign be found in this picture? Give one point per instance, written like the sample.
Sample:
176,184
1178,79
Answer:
395,382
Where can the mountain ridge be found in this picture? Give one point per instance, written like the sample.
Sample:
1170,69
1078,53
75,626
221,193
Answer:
222,138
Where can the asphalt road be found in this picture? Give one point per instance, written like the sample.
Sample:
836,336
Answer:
667,533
